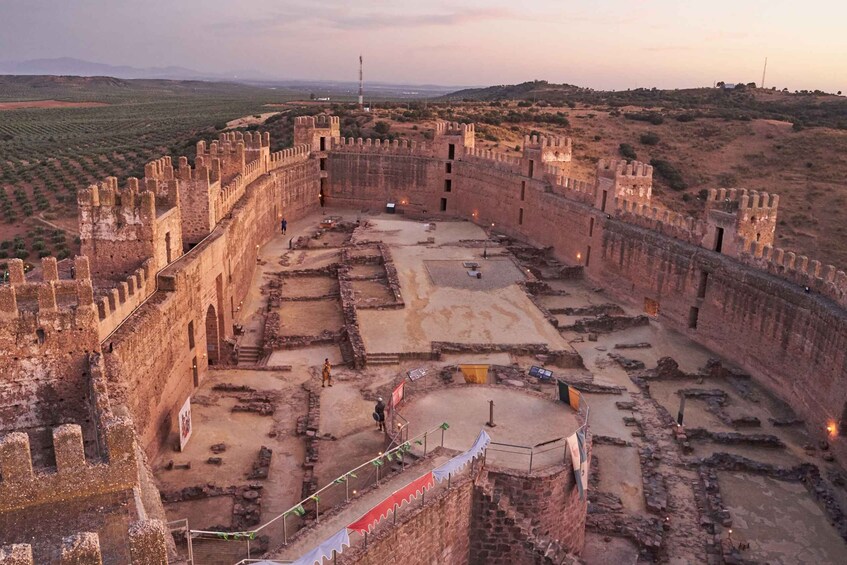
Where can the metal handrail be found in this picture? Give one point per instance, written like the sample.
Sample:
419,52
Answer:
532,450
250,534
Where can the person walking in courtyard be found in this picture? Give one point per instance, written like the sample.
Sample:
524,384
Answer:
326,375
283,225
379,414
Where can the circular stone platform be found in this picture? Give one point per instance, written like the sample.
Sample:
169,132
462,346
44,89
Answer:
520,418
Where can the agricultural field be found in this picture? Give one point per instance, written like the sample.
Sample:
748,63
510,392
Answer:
59,134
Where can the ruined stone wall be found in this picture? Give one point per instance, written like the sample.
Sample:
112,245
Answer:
794,342
366,176
150,362
439,532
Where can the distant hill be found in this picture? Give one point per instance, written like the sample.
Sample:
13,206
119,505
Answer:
79,67
114,90
537,90
804,109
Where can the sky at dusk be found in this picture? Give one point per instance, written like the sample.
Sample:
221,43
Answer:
603,44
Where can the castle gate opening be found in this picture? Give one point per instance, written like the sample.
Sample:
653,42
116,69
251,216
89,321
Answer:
212,340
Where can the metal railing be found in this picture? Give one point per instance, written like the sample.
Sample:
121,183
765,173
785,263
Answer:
532,453
351,477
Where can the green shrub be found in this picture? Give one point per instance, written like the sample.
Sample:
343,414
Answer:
649,138
668,172
627,151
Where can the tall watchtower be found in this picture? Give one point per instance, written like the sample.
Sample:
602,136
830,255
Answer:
621,180
318,132
540,152
736,217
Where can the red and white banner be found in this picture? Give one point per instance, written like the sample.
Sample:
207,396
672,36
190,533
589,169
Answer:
398,497
398,394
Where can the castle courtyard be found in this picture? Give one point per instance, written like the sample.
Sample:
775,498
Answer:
743,454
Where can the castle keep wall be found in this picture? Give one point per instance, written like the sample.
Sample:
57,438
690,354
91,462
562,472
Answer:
369,175
148,357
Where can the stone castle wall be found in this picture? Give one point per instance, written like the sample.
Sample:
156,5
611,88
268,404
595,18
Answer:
149,357
438,532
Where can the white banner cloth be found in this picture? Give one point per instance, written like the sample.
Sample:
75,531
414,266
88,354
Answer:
324,550
442,472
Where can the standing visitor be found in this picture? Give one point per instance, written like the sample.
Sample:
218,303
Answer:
283,225
326,375
379,414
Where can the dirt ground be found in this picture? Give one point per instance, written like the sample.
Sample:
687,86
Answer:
311,317
780,521
442,313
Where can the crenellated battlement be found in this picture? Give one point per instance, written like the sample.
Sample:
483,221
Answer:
621,179
820,278
615,168
290,156
667,222
51,295
748,215
318,132
548,141
398,147
118,302
319,121
454,128
145,540
740,199
495,158
570,188
23,483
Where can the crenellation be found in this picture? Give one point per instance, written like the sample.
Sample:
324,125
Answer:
68,448
15,458
16,554
81,549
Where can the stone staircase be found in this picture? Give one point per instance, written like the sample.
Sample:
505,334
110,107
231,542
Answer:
543,551
382,359
249,354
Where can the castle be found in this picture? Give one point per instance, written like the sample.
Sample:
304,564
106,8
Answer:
99,358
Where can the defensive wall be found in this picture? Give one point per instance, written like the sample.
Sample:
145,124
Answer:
717,279
168,259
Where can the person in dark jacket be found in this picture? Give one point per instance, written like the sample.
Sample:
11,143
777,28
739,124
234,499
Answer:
379,414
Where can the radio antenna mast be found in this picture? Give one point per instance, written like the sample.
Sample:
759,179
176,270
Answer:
763,73
361,86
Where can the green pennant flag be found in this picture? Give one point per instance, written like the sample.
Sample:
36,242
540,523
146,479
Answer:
352,475
444,426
